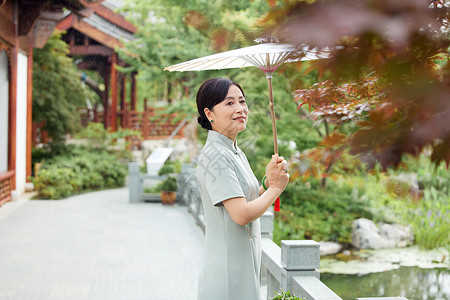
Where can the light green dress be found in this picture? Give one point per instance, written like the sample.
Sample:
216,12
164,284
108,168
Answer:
232,257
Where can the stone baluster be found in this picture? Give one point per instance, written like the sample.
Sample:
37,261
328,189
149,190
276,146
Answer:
267,225
298,258
134,182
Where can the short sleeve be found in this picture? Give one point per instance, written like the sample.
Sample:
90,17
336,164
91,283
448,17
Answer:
220,179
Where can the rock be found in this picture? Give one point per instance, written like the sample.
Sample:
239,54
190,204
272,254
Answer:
29,187
366,235
402,236
329,248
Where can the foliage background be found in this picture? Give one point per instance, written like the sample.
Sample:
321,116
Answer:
57,90
330,184
329,143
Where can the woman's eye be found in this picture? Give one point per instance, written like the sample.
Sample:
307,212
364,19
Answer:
242,101
230,103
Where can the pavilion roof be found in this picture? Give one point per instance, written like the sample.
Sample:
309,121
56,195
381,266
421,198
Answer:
109,28
105,26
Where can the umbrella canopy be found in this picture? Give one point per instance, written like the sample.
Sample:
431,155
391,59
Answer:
267,57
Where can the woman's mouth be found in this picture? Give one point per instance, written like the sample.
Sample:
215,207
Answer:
240,119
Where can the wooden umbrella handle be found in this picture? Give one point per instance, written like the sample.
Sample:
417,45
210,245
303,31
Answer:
272,114
274,128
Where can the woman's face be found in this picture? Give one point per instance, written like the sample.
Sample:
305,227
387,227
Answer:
229,116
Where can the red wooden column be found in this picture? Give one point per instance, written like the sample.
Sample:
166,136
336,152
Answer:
29,108
13,98
106,79
145,122
123,102
113,92
133,91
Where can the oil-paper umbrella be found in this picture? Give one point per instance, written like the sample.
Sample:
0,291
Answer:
266,56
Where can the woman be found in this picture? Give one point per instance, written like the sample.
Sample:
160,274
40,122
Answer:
232,199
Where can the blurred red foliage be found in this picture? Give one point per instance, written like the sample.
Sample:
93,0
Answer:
389,68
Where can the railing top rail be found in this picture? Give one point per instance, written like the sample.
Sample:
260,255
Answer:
271,257
312,288
6,175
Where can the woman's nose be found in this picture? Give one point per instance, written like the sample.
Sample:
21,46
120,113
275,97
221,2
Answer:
240,107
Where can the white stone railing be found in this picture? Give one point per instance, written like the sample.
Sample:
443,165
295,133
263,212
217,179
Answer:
293,267
135,184
190,195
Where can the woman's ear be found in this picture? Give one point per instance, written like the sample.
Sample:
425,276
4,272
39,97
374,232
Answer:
207,113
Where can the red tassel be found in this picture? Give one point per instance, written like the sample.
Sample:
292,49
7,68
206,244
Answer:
276,206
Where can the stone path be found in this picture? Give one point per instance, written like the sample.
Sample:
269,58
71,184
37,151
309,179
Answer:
98,246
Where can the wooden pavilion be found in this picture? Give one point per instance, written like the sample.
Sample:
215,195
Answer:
95,39
24,25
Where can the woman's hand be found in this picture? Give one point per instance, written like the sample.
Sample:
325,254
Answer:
276,173
243,212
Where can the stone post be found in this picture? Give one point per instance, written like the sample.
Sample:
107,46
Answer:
267,225
298,258
134,182
266,221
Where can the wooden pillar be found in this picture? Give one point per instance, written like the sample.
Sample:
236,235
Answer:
29,141
145,123
113,92
123,102
133,91
96,120
13,96
106,78
72,40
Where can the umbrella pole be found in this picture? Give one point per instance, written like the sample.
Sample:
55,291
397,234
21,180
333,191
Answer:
272,112
274,128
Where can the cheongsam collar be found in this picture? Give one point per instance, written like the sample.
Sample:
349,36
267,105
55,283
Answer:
223,140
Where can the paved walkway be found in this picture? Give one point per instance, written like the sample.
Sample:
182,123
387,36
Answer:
98,246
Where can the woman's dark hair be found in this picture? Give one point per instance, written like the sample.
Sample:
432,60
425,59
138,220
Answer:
210,93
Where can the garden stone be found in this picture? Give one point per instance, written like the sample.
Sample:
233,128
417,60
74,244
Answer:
401,235
29,187
366,235
329,248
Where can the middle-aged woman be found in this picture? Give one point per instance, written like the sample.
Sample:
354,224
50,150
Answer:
232,199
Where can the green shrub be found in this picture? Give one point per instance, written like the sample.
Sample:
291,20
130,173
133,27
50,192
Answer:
170,184
156,189
308,212
96,138
167,168
281,295
82,170
56,182
430,220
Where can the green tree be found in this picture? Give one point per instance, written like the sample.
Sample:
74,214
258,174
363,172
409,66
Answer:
171,32
57,89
